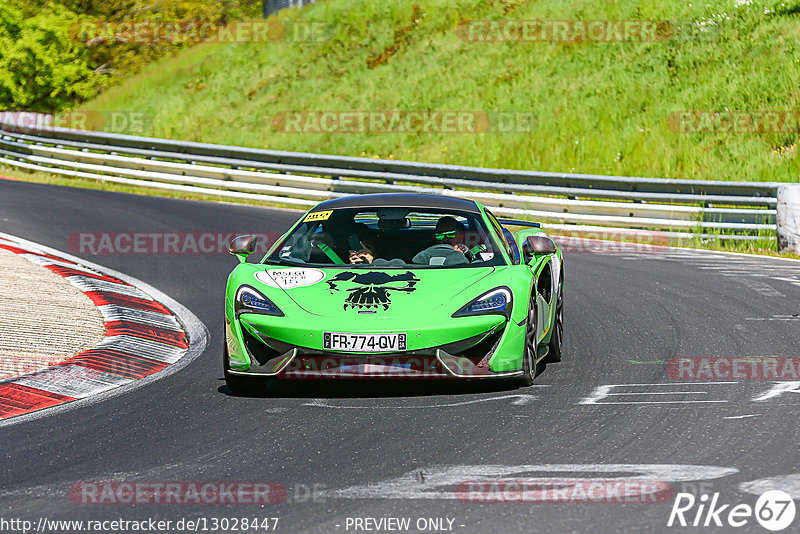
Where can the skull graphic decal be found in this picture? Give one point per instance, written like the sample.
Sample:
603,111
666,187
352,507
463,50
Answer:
372,289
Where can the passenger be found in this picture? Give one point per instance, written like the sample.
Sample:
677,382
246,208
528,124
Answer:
361,256
364,237
350,240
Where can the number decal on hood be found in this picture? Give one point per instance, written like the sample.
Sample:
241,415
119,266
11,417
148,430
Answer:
290,278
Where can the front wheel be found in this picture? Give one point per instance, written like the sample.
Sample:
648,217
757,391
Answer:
529,365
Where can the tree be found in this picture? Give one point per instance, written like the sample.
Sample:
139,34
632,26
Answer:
41,68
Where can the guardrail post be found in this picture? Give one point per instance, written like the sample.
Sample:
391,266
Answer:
789,217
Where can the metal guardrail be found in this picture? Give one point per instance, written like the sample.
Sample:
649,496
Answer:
271,6
680,208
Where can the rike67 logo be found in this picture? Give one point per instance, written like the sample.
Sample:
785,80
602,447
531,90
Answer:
774,510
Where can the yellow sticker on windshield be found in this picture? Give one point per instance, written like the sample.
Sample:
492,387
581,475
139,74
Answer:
318,216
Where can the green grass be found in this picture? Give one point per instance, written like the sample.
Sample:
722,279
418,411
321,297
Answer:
598,107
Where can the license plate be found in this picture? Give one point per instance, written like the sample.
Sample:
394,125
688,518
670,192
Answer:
345,342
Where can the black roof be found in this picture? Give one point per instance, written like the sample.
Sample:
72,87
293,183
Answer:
400,200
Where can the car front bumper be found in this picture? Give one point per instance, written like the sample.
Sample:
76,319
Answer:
491,347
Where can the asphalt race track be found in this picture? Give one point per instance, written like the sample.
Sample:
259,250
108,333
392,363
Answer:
378,450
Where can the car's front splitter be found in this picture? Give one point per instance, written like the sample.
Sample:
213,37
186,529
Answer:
434,363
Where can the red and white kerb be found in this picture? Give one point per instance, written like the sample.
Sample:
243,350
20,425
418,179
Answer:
142,337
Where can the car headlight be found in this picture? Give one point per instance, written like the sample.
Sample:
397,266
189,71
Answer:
497,302
248,300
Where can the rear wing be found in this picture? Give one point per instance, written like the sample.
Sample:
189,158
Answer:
516,222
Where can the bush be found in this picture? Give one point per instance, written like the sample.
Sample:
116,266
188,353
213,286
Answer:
41,69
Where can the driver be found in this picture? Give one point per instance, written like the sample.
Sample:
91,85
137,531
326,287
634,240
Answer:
450,248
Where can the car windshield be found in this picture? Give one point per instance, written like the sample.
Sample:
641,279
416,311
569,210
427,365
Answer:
392,237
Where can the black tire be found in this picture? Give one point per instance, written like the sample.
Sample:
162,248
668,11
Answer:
556,345
529,365
239,385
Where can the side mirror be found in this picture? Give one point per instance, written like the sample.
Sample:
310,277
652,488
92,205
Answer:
537,244
242,246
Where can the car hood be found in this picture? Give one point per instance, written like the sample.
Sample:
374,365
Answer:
364,292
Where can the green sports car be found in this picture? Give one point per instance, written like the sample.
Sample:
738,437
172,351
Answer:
395,286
